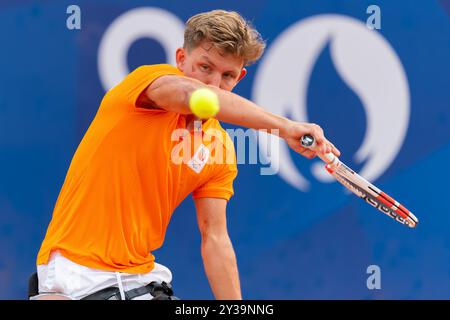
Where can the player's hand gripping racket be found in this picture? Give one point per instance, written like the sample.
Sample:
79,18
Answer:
362,188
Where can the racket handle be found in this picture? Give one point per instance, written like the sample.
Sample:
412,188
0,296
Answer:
308,141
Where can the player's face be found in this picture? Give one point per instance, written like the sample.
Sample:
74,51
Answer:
210,66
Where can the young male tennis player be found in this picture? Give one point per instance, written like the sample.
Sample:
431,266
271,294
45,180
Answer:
123,185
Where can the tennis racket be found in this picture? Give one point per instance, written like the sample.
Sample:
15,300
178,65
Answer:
362,188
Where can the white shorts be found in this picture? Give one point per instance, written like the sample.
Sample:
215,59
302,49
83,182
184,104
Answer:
64,277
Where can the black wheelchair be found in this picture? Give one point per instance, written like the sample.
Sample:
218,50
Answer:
159,291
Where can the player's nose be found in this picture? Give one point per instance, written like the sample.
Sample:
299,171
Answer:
214,80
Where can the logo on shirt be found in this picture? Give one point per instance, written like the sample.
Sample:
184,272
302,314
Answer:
199,159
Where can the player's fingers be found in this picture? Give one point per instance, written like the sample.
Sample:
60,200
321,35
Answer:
300,149
308,153
330,148
318,135
335,150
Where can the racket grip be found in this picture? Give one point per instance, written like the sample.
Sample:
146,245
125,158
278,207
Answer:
308,141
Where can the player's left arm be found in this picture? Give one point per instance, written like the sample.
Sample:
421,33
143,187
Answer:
218,255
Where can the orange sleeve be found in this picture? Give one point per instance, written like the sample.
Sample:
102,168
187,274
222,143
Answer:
137,81
220,185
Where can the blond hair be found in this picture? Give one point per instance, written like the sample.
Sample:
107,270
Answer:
228,31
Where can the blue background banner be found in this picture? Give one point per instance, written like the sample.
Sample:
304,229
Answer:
381,95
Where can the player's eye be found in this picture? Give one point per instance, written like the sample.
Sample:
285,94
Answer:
204,67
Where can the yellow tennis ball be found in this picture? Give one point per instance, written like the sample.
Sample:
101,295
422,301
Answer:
204,103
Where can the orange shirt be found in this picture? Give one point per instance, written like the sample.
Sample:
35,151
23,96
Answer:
126,179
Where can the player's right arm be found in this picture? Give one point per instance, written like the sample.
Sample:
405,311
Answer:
172,92
219,258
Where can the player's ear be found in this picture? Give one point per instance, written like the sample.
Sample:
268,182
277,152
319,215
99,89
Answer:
180,57
242,75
